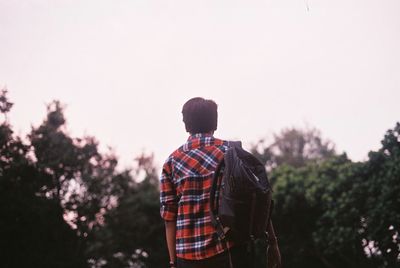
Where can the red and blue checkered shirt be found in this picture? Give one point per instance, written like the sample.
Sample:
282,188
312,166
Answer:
185,185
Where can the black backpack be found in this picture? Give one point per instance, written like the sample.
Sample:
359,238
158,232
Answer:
243,209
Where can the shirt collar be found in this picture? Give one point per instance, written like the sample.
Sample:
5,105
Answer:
199,135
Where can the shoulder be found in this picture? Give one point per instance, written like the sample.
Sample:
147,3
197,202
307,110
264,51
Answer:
221,144
226,144
173,157
168,163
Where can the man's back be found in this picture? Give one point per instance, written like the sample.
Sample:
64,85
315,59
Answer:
185,192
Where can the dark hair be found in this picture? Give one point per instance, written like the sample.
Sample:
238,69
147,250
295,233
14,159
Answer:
200,115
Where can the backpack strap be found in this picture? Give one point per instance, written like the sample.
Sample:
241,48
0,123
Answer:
213,207
237,144
215,185
214,218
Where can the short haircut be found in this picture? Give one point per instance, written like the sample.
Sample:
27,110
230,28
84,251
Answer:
200,115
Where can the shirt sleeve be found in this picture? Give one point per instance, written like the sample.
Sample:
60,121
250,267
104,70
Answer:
168,197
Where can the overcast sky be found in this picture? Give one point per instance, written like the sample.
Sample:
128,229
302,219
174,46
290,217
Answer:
125,68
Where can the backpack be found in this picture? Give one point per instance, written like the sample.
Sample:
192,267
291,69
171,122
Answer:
243,209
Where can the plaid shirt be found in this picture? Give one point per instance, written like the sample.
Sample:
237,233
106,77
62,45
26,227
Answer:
184,195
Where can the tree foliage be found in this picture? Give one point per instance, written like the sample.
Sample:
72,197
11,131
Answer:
339,213
32,229
63,203
381,201
132,233
294,147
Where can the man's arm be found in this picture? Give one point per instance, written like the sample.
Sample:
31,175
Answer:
274,255
169,208
170,232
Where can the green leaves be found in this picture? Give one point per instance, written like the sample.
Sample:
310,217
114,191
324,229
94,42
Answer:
382,203
337,213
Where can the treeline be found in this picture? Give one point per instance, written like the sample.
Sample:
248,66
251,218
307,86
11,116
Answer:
64,204
332,212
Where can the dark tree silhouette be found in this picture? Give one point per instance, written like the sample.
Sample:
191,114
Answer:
64,204
32,229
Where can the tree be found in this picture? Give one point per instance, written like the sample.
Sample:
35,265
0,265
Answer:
5,104
294,147
381,186
133,232
32,230
116,218
339,213
316,218
81,177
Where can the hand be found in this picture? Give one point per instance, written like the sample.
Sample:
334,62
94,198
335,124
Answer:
274,256
172,264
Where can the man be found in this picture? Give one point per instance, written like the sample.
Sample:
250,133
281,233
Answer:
185,192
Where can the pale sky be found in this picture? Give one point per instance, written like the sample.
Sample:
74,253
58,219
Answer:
125,68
